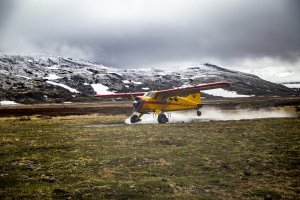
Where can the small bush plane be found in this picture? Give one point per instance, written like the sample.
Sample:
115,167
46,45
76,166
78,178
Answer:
182,98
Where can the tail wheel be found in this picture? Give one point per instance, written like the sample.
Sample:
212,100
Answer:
199,113
162,118
134,119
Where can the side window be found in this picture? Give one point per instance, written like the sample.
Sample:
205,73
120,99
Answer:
165,99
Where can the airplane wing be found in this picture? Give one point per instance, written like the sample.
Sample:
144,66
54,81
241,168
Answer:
134,94
185,91
182,91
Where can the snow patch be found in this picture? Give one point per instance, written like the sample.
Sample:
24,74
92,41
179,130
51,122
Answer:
52,77
198,76
53,67
126,81
225,93
134,82
115,73
186,85
292,85
6,103
101,89
64,86
24,77
137,82
5,72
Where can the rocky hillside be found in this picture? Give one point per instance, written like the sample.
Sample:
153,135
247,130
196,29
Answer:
41,78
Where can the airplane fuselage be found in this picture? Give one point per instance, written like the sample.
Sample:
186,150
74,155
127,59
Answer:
145,104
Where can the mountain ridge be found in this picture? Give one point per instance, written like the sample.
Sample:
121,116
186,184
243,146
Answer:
43,78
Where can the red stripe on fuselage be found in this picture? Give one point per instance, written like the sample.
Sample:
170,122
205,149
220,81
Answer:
174,104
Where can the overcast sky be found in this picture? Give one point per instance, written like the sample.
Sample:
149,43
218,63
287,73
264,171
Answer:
256,36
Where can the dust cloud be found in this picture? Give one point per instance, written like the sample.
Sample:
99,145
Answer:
215,114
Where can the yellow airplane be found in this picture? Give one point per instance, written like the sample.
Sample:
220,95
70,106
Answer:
183,98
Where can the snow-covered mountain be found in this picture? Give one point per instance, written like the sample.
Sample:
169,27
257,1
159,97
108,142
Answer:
41,78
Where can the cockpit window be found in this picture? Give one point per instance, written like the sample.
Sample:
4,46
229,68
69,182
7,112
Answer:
149,94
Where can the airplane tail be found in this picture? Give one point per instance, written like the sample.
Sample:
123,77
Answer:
194,98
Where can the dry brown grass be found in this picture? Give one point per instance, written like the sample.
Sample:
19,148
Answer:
68,157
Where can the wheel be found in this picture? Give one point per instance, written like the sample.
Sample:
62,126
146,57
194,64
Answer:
199,113
162,118
134,119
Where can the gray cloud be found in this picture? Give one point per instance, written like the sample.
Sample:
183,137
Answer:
154,32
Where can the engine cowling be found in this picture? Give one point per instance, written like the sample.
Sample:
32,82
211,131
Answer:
138,103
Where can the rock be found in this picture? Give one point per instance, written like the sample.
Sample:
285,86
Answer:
268,197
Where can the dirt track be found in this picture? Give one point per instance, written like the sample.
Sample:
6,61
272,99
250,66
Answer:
66,109
125,107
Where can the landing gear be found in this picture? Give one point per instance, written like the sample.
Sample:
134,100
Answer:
198,109
162,118
134,119
199,113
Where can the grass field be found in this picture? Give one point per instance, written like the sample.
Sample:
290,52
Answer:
70,158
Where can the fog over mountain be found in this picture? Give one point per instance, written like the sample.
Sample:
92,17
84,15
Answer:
255,36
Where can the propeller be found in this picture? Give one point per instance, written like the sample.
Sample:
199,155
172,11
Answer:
137,101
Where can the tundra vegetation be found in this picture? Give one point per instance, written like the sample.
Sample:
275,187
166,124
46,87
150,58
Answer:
73,157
